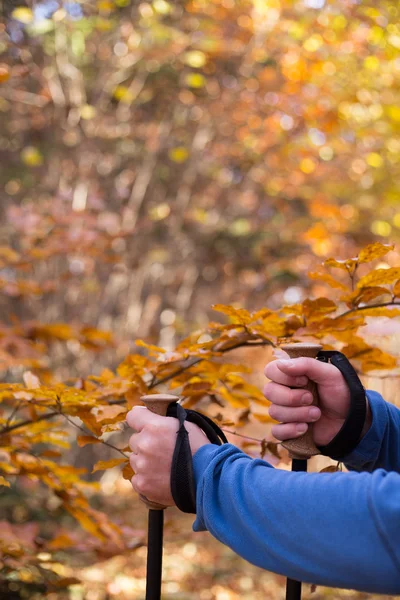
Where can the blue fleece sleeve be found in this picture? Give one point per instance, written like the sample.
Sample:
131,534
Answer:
339,530
380,447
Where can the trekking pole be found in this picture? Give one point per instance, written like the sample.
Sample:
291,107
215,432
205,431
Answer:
158,404
302,448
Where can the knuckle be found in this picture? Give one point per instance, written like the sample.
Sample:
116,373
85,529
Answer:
144,445
141,464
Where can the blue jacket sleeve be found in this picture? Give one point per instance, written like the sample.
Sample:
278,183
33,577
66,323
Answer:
380,447
338,530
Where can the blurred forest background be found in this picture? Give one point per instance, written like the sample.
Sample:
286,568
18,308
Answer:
160,157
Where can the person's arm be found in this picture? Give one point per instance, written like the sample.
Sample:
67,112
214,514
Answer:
380,446
340,530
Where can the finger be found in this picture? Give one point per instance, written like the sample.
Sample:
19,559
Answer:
273,372
288,431
286,414
285,396
133,443
314,369
132,462
139,416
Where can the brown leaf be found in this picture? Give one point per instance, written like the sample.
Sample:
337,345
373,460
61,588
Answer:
127,471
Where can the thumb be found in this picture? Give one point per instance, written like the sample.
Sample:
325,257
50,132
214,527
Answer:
315,370
139,416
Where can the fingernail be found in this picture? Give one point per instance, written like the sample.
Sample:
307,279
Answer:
314,412
301,380
306,399
286,363
301,428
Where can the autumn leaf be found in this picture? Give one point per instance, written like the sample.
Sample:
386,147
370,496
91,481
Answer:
127,471
379,277
238,315
328,279
373,251
4,482
109,413
102,465
84,440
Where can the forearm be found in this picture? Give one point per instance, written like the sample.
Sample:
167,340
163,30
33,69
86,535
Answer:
318,528
379,447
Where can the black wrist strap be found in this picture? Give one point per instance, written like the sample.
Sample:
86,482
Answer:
349,435
182,476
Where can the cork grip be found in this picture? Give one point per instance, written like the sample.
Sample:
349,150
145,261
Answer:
303,447
158,404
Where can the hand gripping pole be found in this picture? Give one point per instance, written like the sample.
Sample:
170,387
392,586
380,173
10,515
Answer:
158,404
303,447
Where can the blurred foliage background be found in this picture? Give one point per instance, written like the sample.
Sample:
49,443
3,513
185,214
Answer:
158,157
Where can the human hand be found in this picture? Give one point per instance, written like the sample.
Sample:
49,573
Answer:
152,448
292,407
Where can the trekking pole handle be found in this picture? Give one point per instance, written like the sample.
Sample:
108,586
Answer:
157,404
303,447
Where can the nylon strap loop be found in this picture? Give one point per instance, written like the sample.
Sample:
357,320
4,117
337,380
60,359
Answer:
182,476
349,435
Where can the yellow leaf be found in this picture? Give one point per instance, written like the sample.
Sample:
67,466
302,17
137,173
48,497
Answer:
84,440
379,277
365,295
4,482
150,347
396,289
263,418
381,311
109,413
22,14
102,465
318,308
327,278
346,265
373,251
239,315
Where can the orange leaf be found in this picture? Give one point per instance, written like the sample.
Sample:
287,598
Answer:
84,440
4,482
102,465
127,471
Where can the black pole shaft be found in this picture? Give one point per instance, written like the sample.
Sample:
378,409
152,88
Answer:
293,588
154,554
